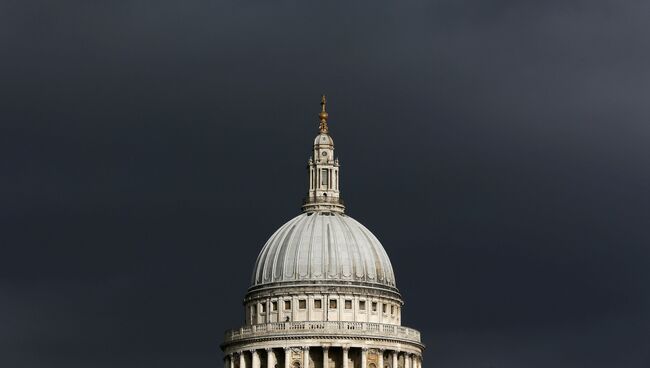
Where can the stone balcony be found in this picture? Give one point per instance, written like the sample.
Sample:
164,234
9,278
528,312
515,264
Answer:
329,328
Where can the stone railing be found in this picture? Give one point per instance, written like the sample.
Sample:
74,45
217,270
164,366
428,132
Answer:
281,329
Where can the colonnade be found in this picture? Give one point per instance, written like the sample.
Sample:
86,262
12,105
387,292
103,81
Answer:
299,357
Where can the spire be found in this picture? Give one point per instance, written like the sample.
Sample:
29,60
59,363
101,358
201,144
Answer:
323,115
323,167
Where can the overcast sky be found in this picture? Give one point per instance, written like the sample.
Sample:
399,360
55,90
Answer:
498,149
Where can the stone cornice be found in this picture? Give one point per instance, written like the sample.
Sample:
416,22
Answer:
290,289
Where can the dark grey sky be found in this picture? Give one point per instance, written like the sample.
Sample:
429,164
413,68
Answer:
498,149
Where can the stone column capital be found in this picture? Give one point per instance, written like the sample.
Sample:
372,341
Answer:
345,348
305,348
364,348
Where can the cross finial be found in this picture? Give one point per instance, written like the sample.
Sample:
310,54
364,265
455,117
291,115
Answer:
323,115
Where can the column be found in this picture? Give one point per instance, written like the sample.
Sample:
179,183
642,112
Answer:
255,359
231,358
380,358
394,359
326,356
287,357
345,356
364,357
305,356
242,360
226,361
326,306
309,305
270,358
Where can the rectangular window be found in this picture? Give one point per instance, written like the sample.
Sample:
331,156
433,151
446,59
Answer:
254,310
362,305
263,305
324,175
302,304
348,304
374,306
318,304
333,303
392,309
274,306
287,304
383,308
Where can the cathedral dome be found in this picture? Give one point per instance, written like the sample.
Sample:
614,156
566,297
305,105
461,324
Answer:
323,248
323,290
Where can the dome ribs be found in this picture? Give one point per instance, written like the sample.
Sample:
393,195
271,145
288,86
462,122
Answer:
355,254
279,251
321,247
303,248
290,255
334,255
315,255
261,273
374,264
347,265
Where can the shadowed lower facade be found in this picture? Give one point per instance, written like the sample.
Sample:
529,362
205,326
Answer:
323,291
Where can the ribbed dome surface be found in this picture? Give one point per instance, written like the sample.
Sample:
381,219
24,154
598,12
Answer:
323,139
323,247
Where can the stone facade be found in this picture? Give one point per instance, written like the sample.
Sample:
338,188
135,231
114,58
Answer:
323,293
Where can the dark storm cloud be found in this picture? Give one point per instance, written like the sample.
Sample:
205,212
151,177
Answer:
498,149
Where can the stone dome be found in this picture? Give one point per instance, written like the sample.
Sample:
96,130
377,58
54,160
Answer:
323,139
323,248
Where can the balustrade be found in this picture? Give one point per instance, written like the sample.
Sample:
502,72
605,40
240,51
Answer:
335,327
